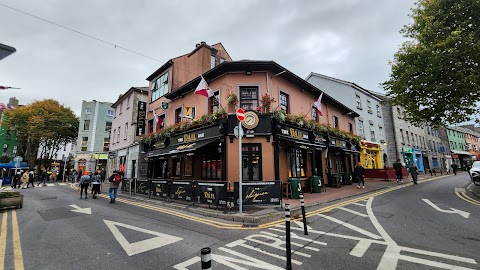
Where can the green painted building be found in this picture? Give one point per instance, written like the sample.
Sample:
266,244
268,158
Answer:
458,147
8,136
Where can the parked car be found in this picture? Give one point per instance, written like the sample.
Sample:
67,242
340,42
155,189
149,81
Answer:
475,173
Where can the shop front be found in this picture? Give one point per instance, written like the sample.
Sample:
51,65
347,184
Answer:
370,155
462,158
413,155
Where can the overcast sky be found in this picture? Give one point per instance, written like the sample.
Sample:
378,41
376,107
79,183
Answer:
351,40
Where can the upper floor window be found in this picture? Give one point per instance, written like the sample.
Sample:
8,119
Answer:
108,126
361,128
120,107
178,115
109,113
161,121
372,132
380,132
248,97
88,110
403,138
399,113
314,113
118,135
212,61
214,102
379,113
86,124
335,122
84,144
159,86
284,102
128,102
359,102
126,131
350,127
369,106
150,126
106,144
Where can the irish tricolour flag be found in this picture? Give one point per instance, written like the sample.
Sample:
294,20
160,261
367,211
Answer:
203,89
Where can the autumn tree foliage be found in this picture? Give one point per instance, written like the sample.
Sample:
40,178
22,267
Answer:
436,74
46,124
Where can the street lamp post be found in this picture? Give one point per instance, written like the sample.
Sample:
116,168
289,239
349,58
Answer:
64,167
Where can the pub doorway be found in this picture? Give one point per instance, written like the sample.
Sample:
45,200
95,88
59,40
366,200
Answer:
252,162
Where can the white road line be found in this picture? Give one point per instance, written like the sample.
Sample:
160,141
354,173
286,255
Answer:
392,253
353,212
276,244
251,261
50,185
452,211
63,184
432,263
440,255
360,249
330,234
469,186
183,265
242,243
300,224
359,204
352,227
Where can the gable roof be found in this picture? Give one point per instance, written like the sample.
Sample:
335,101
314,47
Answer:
253,66
465,130
351,84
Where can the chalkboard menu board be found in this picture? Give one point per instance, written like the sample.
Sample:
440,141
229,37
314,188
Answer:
126,185
160,188
212,193
259,192
181,190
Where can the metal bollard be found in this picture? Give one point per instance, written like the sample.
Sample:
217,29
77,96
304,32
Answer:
206,258
302,203
287,238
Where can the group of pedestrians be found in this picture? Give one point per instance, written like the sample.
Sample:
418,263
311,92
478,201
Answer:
86,179
23,179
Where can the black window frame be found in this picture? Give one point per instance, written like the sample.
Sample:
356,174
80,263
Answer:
283,101
211,159
250,154
214,102
178,115
249,101
292,155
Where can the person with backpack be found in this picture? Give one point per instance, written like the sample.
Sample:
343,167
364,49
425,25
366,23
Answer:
95,185
114,180
84,183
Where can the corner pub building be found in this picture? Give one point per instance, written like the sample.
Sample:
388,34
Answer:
194,138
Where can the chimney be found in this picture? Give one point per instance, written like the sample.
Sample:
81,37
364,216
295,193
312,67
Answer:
13,101
197,45
203,43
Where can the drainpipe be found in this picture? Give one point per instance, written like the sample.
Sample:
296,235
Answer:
394,133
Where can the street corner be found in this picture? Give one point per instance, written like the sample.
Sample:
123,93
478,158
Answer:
474,190
469,193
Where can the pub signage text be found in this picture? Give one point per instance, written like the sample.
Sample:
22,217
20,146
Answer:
141,116
190,137
295,133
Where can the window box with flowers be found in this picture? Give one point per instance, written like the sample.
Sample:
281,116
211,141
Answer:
267,102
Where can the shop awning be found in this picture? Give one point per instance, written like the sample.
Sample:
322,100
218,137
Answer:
458,152
181,149
312,145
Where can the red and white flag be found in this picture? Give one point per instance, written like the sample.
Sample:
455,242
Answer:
318,104
203,89
7,87
155,120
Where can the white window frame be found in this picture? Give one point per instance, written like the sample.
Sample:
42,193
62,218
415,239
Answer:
372,132
358,100
361,128
159,88
369,106
88,110
126,131
110,113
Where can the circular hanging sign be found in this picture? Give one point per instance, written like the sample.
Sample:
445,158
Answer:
251,120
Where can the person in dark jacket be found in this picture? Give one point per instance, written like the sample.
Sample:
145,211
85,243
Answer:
359,174
413,171
43,178
454,168
31,177
16,179
397,166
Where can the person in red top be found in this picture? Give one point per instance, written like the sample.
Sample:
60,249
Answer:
114,180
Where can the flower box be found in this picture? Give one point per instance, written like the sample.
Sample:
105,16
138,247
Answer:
11,200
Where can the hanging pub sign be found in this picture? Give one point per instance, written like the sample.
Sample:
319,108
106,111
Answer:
160,188
180,190
192,137
259,193
141,116
338,143
318,138
214,193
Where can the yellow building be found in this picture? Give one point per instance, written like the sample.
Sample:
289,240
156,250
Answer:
370,155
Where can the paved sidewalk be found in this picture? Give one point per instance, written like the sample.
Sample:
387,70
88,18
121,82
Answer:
254,215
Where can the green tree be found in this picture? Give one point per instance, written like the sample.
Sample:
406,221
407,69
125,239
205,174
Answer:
46,124
436,74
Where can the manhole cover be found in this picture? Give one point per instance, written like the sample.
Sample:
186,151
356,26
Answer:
56,213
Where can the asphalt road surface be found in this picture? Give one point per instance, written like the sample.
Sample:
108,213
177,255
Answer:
431,225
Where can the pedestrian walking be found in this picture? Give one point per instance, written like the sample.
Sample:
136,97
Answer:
74,176
96,183
454,168
114,180
24,179
103,173
397,166
414,172
16,179
84,183
43,178
79,175
31,178
359,172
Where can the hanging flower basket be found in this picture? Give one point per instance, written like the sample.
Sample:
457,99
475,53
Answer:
267,102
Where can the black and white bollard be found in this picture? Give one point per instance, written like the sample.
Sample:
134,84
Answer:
302,203
287,238
206,258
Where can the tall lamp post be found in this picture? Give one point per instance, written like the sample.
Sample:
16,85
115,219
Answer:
64,167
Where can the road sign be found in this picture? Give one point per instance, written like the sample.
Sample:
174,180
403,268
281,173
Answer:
240,114
236,133
18,159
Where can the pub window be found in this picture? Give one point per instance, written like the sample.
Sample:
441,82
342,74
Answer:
314,113
150,126
252,162
296,163
178,115
335,122
248,97
176,167
211,166
214,104
350,127
284,102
